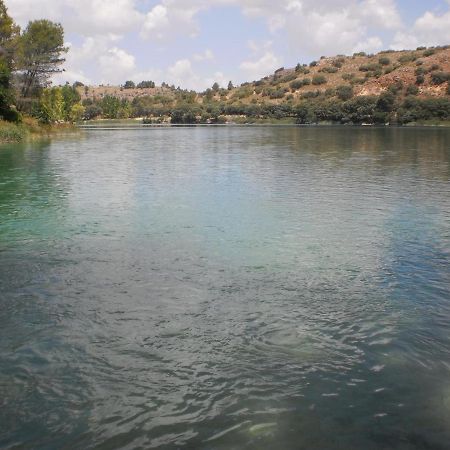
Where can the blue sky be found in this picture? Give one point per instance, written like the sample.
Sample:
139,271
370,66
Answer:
193,43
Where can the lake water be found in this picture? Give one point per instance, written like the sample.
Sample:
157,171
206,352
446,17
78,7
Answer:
226,288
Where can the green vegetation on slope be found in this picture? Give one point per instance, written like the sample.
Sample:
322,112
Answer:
390,87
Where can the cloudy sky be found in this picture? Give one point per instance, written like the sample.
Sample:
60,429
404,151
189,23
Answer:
193,43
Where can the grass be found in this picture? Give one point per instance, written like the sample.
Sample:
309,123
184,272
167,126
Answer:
30,129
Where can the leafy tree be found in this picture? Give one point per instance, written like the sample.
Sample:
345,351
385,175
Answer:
230,86
71,97
76,112
129,84
146,84
6,96
92,111
51,105
386,102
41,47
9,33
110,106
215,87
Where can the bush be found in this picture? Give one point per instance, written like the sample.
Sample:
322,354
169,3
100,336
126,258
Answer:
348,76
358,81
438,78
412,90
420,71
329,69
298,84
420,79
429,52
344,92
318,80
407,58
313,64
372,67
301,69
384,61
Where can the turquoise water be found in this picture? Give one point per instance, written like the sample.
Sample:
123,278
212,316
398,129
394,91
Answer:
226,288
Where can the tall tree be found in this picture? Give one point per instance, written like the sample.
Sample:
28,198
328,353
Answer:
9,34
40,54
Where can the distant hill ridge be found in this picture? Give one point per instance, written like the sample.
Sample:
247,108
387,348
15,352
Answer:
387,87
368,74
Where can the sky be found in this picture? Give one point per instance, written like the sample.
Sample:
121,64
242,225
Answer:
193,43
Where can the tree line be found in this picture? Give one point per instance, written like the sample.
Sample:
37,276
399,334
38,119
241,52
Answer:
29,57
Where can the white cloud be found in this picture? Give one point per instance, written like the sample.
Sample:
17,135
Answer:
429,29
86,17
370,45
116,65
207,55
266,64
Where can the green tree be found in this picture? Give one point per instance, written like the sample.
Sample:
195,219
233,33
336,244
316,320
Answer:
51,105
230,86
110,106
129,84
40,51
77,112
215,87
71,97
6,96
9,33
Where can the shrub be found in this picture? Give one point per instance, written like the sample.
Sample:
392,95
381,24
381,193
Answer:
311,94
384,61
372,67
358,81
329,69
420,79
420,71
412,90
429,52
407,58
298,84
318,80
313,64
348,76
438,78
344,92
301,69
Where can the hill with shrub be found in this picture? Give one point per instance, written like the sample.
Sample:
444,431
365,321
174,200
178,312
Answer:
391,87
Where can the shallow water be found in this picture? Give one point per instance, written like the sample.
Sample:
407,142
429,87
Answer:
226,288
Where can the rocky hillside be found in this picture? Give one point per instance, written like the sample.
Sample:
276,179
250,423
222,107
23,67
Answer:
426,69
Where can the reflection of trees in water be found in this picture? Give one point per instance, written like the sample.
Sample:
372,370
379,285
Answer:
428,149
